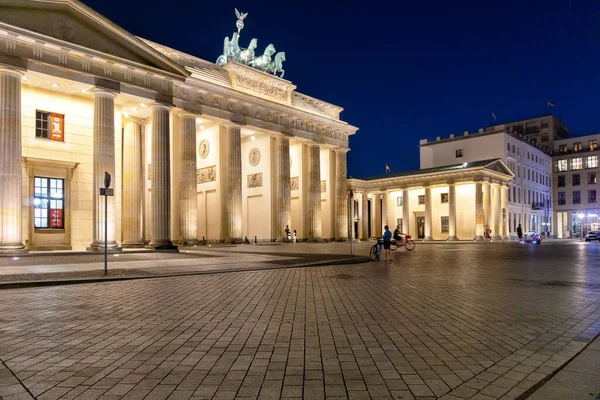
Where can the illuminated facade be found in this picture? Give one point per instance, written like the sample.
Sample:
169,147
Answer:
195,150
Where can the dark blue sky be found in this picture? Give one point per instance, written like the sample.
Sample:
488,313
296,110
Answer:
406,71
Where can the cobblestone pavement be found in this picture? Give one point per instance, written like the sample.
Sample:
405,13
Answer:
443,321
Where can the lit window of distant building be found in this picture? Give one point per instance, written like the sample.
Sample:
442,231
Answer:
593,144
591,162
459,153
576,164
577,147
561,165
562,148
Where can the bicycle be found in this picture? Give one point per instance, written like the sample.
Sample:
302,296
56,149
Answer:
375,252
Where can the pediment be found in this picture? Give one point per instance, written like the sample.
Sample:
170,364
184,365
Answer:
499,166
72,21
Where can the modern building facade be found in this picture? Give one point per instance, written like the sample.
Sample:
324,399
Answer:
195,150
542,131
575,186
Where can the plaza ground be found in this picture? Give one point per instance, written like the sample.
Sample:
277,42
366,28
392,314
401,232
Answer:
493,320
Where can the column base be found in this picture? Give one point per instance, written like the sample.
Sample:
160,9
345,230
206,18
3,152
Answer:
427,238
345,239
163,245
452,239
190,242
98,247
479,238
497,238
132,245
11,250
315,240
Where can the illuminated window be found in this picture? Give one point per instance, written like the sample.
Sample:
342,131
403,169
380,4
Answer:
445,225
593,144
444,198
591,162
48,202
576,164
421,199
577,146
562,148
591,178
49,126
561,165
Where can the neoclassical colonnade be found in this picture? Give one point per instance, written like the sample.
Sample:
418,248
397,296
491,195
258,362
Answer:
469,198
132,209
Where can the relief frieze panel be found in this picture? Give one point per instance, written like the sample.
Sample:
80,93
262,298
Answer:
207,174
255,180
294,183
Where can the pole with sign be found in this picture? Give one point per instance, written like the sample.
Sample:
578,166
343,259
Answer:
105,191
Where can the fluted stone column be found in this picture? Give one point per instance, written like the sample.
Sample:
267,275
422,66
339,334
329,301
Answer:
10,161
104,161
384,210
188,199
504,215
405,211
452,212
284,194
161,179
377,232
479,216
233,185
314,193
365,216
428,213
496,212
341,196
487,205
131,213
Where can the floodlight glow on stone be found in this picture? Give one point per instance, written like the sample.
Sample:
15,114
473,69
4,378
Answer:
54,84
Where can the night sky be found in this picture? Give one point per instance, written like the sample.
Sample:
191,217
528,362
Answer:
407,71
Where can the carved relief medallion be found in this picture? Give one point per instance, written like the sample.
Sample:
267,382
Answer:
255,180
208,174
203,148
294,183
254,157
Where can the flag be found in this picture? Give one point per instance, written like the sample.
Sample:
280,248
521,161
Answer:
549,104
493,116
387,168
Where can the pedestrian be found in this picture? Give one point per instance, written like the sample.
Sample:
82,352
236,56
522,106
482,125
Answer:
288,235
295,237
387,241
398,234
520,232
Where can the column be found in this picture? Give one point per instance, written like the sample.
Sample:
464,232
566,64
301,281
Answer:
365,216
428,213
284,194
233,185
161,179
10,161
406,211
104,161
504,214
377,232
452,211
496,212
341,196
479,210
188,198
131,214
384,210
487,205
314,193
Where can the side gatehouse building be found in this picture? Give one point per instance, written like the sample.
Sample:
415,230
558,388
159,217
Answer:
196,150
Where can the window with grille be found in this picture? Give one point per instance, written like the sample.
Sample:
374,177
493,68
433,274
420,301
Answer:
562,198
459,153
561,181
576,180
399,224
49,126
591,162
399,201
576,197
48,201
591,196
576,164
421,199
561,165
444,198
445,225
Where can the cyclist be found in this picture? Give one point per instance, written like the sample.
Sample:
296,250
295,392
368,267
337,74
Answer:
387,241
398,234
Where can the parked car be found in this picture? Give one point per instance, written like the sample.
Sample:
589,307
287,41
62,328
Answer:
532,237
592,235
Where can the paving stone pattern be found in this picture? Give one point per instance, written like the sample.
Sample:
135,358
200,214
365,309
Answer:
445,321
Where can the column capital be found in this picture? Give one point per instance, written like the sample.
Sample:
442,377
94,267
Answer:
184,114
134,120
160,106
103,92
341,150
230,125
12,71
